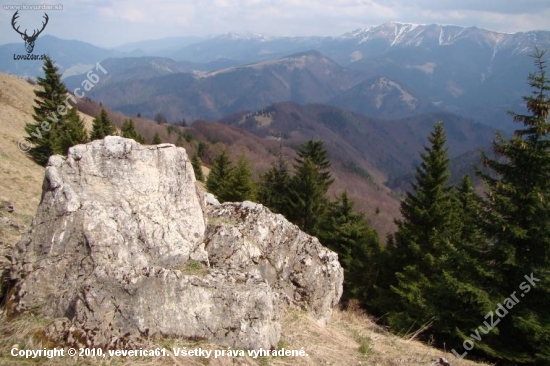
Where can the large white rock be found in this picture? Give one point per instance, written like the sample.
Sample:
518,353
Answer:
118,236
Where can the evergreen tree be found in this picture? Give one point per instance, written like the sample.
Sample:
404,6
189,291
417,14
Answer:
422,238
218,182
309,186
50,101
315,151
357,245
102,126
156,139
518,217
202,149
241,186
129,131
274,186
462,294
197,167
71,132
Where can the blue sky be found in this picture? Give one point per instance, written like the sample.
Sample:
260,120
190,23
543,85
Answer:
110,23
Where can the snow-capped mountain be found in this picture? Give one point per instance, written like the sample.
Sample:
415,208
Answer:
374,41
407,34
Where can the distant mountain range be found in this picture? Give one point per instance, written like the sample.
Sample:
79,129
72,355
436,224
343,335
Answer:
307,77
389,72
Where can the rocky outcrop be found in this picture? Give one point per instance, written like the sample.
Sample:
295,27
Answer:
120,250
247,237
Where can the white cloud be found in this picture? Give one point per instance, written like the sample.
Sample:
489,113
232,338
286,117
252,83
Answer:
133,15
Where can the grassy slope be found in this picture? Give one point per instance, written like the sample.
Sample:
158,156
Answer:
350,338
20,178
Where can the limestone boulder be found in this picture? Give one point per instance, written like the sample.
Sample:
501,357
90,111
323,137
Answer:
125,246
248,237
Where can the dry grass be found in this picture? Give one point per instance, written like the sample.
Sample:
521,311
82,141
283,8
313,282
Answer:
20,178
349,338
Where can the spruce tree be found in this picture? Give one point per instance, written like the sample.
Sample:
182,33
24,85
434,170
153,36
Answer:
71,132
462,293
241,185
273,190
421,239
129,131
357,245
315,151
218,182
309,186
97,127
156,139
50,100
102,126
197,167
427,208
518,218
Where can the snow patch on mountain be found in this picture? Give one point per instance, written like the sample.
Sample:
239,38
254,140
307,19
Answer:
409,34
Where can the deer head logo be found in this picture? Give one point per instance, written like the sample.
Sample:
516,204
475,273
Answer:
29,40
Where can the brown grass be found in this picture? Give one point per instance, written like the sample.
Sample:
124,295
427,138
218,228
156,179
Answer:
20,178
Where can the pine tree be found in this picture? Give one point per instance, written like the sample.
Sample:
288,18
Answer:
273,190
197,167
357,245
218,182
129,131
241,186
50,112
309,186
518,217
102,126
156,139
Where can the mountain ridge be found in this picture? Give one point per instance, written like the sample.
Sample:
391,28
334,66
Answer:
252,47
